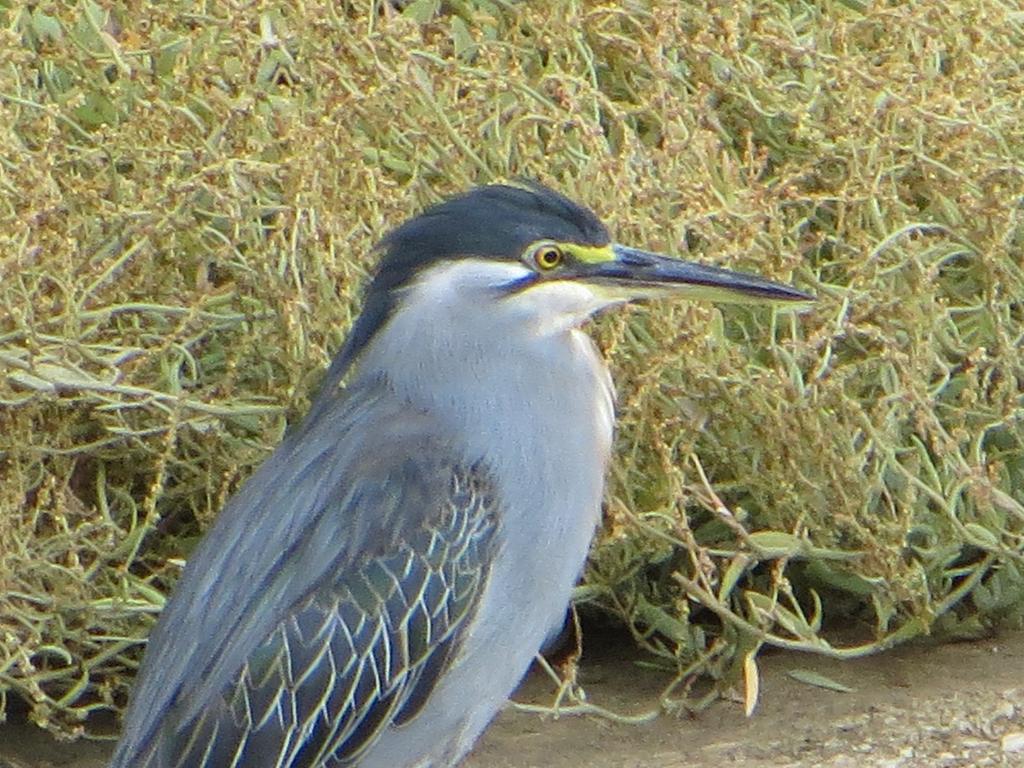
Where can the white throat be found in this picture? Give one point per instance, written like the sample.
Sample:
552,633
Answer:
513,376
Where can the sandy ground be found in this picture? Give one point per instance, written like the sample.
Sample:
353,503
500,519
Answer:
928,706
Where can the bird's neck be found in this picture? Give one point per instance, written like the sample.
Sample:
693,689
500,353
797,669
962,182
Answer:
538,411
538,407
496,390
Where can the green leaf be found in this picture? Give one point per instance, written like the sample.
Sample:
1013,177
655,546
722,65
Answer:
737,567
772,544
422,11
814,678
95,111
792,622
843,580
166,57
46,28
660,621
981,537
462,38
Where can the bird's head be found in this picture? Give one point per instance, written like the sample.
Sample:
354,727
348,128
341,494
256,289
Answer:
531,252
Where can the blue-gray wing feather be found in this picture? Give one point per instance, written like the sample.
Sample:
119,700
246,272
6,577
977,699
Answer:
325,602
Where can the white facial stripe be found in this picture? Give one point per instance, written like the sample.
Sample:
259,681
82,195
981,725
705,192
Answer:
543,307
470,273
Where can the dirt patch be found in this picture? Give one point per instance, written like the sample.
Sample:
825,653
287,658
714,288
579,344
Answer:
921,706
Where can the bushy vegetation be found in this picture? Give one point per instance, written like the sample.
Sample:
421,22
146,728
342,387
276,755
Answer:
191,192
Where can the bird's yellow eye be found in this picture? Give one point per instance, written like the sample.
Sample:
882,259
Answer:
548,257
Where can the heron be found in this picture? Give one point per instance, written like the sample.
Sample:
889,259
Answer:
374,592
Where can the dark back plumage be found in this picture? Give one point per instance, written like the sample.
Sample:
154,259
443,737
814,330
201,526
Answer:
365,520
495,222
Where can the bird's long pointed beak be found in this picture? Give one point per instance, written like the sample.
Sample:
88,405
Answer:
634,274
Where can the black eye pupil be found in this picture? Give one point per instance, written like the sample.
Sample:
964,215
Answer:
549,257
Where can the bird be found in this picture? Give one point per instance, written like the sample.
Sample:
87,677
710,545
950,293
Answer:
372,595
